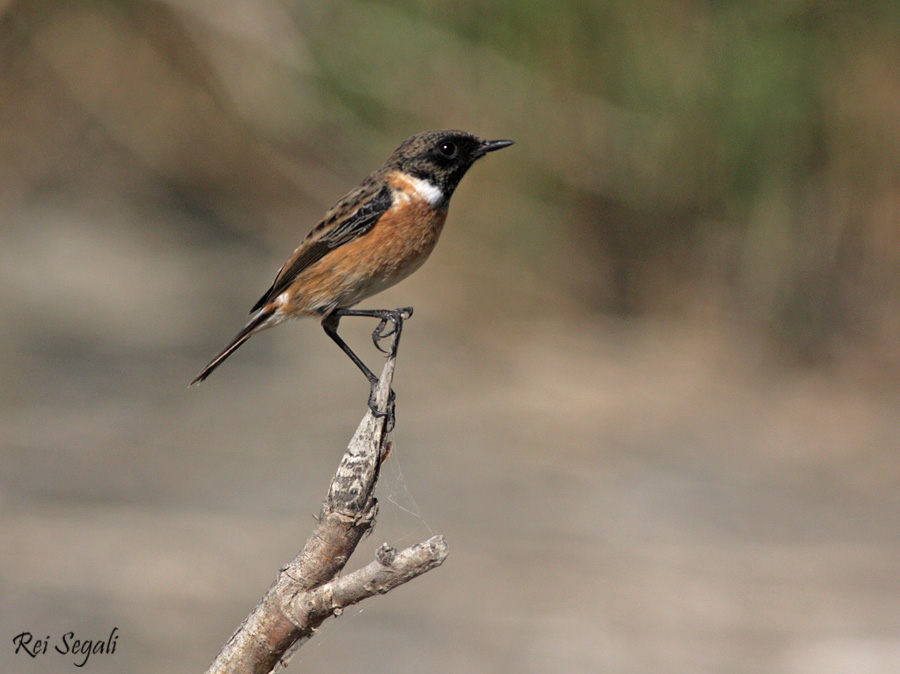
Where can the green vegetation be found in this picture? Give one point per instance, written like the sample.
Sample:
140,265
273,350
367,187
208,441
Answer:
746,149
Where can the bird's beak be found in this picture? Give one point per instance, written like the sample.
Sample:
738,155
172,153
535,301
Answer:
491,145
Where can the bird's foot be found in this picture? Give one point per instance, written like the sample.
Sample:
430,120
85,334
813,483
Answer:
389,414
395,317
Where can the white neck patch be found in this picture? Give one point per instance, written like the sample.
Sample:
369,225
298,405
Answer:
426,190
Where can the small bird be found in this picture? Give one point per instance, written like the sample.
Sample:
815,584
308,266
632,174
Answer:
374,237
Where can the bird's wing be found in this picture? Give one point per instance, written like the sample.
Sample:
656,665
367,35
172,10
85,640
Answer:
341,225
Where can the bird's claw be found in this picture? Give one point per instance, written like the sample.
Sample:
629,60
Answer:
395,317
389,414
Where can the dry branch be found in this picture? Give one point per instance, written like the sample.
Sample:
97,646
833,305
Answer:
305,592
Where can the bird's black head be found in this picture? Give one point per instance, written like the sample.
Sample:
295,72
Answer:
442,157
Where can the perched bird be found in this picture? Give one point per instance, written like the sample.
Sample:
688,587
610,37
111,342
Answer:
378,234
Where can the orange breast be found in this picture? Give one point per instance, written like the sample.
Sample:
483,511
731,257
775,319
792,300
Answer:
394,248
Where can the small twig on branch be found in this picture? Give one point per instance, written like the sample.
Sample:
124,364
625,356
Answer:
389,570
306,592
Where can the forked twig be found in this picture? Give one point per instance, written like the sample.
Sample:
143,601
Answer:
306,591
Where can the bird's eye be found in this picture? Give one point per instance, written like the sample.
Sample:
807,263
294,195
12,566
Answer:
448,149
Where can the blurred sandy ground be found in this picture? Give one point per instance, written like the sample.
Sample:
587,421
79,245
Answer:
627,485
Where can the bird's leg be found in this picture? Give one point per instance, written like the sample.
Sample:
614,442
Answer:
330,325
396,318
393,316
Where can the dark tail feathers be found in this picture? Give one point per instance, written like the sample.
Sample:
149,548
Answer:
254,326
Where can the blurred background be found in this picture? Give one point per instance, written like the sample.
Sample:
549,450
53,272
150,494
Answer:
649,393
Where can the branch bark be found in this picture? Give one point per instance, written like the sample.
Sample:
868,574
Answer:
305,592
